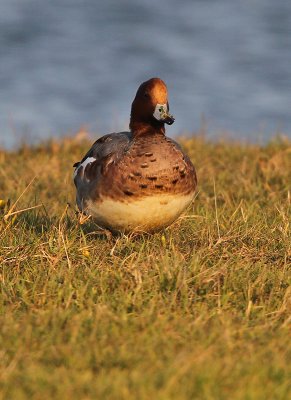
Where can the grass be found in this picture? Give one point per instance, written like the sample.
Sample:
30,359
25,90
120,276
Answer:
199,311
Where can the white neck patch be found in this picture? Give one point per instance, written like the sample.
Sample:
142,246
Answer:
161,111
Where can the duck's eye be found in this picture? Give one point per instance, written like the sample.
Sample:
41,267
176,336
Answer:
161,109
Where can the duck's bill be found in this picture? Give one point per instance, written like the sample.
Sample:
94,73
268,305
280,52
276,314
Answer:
169,119
162,114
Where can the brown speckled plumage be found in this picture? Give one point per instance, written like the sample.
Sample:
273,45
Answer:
166,170
135,168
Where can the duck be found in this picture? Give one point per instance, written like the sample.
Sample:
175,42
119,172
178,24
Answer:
138,180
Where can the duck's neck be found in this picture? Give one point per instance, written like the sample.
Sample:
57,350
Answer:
139,128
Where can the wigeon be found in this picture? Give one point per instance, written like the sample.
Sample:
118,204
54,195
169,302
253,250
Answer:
139,180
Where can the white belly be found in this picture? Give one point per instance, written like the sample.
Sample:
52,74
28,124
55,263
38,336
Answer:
147,214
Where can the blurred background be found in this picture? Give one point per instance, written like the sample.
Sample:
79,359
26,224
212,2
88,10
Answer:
66,64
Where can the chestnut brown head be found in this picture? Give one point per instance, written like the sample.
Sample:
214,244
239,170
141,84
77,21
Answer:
150,105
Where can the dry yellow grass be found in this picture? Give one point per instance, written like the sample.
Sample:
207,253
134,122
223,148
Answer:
198,311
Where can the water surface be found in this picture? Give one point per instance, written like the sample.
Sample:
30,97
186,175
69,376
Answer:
68,63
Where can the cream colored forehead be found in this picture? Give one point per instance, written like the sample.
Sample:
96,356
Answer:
159,94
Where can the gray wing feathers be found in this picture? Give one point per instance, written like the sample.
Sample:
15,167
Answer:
114,143
104,151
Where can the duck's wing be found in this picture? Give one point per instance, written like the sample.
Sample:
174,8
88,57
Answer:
105,151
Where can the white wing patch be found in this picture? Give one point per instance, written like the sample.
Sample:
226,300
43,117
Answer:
88,160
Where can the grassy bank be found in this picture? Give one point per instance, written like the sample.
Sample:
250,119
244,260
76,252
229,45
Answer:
199,311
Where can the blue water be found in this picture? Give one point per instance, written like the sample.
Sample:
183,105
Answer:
67,63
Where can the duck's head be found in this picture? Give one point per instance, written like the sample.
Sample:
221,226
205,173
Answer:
150,106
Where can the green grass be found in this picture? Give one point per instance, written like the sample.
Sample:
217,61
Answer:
201,310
